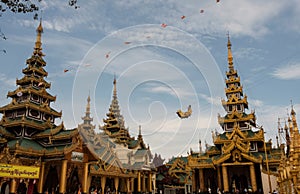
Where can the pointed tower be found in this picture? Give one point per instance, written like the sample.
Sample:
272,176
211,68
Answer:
114,125
240,154
28,122
236,102
87,127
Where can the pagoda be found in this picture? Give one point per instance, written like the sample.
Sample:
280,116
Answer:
29,136
289,168
132,152
114,125
240,160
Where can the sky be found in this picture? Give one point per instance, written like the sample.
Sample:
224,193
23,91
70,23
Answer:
160,69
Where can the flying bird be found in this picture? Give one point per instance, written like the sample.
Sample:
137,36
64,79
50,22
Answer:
182,17
218,1
202,11
164,25
127,42
107,54
186,114
66,70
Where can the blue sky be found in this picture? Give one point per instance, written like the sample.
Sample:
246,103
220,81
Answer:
161,70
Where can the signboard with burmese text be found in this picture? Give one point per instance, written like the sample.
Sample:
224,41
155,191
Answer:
15,171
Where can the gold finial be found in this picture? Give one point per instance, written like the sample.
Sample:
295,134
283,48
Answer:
292,109
88,106
230,58
140,130
115,87
38,43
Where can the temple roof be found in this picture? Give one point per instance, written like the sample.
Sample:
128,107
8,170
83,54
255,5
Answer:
28,126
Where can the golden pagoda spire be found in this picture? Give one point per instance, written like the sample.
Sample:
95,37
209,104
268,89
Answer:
115,88
38,42
294,120
230,58
87,118
88,106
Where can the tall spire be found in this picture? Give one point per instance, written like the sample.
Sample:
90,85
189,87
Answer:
115,88
87,118
88,106
236,102
230,58
38,42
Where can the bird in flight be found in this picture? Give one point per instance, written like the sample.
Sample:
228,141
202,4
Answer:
186,114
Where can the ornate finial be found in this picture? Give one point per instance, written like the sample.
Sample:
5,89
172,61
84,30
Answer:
140,130
140,137
88,106
115,87
200,147
38,43
230,58
292,109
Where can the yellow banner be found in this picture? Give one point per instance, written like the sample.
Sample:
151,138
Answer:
14,171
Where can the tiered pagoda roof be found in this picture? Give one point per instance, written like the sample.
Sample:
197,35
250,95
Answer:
289,171
238,142
114,125
27,127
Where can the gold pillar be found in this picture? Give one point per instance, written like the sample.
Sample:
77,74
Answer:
201,180
63,177
132,185
253,178
128,185
13,186
219,178
225,179
41,179
143,183
85,178
139,182
103,182
116,184
150,182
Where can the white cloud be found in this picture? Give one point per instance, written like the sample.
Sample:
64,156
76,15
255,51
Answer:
249,53
8,81
288,72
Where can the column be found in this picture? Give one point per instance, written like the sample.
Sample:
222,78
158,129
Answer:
154,183
103,182
132,185
253,178
116,179
128,185
41,179
139,182
63,177
85,178
150,182
219,178
12,186
201,180
194,186
143,183
225,179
